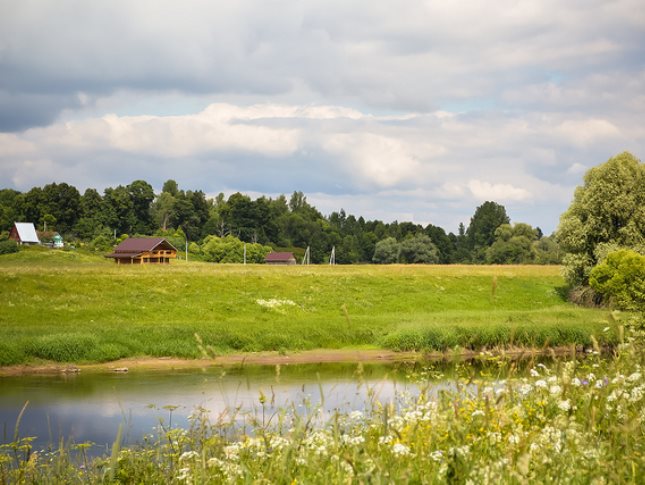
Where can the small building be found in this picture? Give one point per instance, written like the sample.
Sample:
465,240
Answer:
280,258
143,250
24,233
57,241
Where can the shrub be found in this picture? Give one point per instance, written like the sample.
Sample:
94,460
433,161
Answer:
620,278
8,247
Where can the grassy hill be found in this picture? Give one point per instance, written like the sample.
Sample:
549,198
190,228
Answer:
76,307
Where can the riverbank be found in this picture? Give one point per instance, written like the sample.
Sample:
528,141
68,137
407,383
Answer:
78,309
319,356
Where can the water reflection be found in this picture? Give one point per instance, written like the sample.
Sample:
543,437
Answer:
90,407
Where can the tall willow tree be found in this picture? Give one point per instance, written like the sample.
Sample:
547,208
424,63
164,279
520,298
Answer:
607,212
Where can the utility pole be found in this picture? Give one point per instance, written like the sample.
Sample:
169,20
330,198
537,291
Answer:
332,257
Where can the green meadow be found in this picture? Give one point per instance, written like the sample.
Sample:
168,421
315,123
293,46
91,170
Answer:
77,307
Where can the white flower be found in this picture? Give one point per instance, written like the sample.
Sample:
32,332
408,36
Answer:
356,415
541,384
564,405
513,439
552,380
274,303
400,449
576,382
534,373
525,389
635,377
555,390
384,440
187,455
478,412
184,474
437,456
598,384
637,394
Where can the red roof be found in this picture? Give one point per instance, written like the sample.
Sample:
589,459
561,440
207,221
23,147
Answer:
141,244
280,257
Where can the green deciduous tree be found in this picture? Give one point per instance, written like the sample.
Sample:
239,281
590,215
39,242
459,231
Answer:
386,251
418,249
609,208
620,278
513,245
481,231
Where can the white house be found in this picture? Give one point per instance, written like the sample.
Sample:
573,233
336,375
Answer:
24,233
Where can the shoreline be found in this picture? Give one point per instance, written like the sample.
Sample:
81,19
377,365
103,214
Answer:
316,356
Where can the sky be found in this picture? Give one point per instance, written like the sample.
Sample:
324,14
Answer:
393,110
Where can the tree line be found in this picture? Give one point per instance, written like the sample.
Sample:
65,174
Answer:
282,223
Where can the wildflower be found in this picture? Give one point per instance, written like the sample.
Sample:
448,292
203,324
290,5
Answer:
184,474
541,384
635,377
384,440
437,456
356,415
564,405
599,384
576,382
637,394
400,449
534,373
513,439
188,455
478,412
231,452
555,390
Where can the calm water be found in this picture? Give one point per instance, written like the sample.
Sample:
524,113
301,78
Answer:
90,407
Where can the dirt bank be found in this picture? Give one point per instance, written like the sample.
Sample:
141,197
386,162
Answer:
267,358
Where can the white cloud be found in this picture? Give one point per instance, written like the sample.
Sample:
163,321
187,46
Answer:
483,191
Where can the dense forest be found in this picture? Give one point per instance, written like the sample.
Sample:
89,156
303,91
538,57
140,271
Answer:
97,221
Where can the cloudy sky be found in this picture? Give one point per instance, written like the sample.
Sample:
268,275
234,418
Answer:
405,110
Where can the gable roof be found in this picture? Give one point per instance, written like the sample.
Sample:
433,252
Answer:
279,257
141,244
27,232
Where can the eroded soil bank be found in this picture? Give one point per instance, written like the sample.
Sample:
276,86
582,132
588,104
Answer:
275,358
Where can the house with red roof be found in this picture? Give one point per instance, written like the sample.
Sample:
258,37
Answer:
280,259
143,250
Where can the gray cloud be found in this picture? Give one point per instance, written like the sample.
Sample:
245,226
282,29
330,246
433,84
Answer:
407,109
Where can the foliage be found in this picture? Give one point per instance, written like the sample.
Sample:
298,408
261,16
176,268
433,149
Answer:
279,222
386,251
620,277
230,249
576,421
8,246
513,245
418,249
481,231
608,208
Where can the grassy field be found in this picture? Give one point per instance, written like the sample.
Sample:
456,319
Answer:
75,307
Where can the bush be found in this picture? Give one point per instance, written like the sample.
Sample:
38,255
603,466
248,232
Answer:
620,278
8,247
